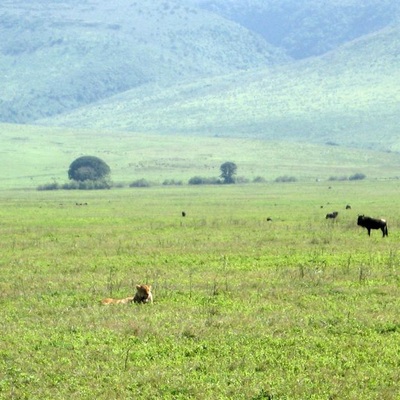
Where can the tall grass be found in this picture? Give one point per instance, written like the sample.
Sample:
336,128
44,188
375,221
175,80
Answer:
293,308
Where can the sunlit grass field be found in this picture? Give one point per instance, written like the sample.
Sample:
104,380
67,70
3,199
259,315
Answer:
33,156
299,307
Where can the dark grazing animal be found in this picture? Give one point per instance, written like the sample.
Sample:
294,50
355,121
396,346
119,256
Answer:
373,223
183,214
332,215
348,207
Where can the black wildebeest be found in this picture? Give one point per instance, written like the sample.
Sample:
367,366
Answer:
332,215
348,207
373,223
183,214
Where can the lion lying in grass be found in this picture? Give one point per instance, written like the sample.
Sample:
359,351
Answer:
143,295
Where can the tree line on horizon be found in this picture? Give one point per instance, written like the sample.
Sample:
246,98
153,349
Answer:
90,172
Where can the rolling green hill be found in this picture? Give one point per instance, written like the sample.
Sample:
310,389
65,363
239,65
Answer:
348,96
319,73
58,56
306,28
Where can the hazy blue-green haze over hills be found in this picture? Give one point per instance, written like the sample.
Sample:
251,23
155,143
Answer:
305,70
57,56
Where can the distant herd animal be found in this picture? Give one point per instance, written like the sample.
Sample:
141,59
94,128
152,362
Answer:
143,295
364,221
332,215
373,223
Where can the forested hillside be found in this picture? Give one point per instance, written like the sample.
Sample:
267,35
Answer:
308,70
58,56
307,28
346,97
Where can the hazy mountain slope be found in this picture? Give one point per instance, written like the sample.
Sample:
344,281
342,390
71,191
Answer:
305,28
349,96
205,67
57,56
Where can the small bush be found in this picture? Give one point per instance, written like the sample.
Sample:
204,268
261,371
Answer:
259,179
198,180
172,182
140,183
242,179
87,185
49,186
357,177
337,178
73,185
195,180
286,178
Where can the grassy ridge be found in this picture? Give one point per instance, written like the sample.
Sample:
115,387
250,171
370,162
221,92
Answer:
348,96
34,156
57,57
296,308
307,28
171,68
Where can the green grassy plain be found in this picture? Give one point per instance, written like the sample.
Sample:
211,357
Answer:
35,155
295,308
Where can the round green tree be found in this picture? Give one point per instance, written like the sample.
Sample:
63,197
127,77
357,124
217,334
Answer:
228,171
88,168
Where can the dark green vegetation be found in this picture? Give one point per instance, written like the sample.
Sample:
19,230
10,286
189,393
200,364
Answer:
294,308
308,28
88,168
228,171
304,70
58,56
